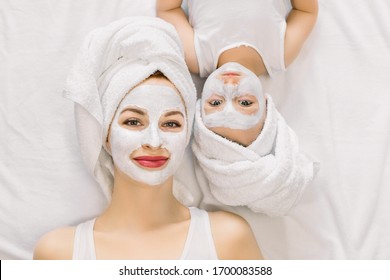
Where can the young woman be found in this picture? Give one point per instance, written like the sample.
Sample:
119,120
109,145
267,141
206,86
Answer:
147,138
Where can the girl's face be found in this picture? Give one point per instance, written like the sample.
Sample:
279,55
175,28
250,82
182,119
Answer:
148,133
232,98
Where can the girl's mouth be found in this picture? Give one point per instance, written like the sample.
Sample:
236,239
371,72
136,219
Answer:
230,74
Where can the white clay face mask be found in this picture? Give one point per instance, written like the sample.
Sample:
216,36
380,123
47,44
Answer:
155,101
217,88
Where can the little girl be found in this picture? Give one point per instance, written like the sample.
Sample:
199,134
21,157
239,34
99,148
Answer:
252,34
247,154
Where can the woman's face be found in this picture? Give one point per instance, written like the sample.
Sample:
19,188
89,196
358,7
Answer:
233,101
149,132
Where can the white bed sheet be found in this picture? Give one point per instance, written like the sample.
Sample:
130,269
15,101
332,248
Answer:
336,96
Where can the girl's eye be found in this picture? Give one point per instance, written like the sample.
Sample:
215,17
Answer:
171,124
245,103
133,122
215,102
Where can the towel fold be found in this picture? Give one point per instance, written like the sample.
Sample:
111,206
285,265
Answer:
268,176
113,60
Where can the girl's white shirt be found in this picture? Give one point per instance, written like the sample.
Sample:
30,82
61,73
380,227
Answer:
220,25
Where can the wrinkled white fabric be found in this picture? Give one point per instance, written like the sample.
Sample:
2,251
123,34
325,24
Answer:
269,176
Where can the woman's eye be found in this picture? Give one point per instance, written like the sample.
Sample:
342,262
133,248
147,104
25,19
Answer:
171,124
215,102
245,103
133,122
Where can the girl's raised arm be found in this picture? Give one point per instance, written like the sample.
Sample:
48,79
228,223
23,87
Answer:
300,22
171,11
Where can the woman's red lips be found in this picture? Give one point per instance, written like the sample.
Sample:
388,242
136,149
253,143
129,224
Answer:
151,161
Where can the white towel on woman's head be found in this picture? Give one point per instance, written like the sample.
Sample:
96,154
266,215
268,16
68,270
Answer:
113,60
268,176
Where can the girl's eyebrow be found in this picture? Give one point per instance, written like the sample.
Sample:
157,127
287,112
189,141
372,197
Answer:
134,110
171,113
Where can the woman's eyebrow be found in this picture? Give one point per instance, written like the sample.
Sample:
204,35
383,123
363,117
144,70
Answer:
134,110
171,113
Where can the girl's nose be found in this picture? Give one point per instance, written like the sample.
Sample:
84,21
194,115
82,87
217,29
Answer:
230,88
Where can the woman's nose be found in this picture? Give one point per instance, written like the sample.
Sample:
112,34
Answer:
151,147
152,139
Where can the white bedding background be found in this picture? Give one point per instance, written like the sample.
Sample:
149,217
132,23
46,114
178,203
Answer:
336,96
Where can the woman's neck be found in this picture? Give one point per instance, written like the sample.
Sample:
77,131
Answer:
141,206
246,56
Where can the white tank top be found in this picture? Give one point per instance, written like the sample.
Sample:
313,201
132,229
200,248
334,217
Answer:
199,244
220,25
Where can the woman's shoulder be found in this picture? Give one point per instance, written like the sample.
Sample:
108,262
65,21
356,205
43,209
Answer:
233,237
55,245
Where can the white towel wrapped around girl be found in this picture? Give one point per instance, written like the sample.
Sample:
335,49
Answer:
268,176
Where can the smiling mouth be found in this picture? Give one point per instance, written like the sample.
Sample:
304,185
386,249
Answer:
151,161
